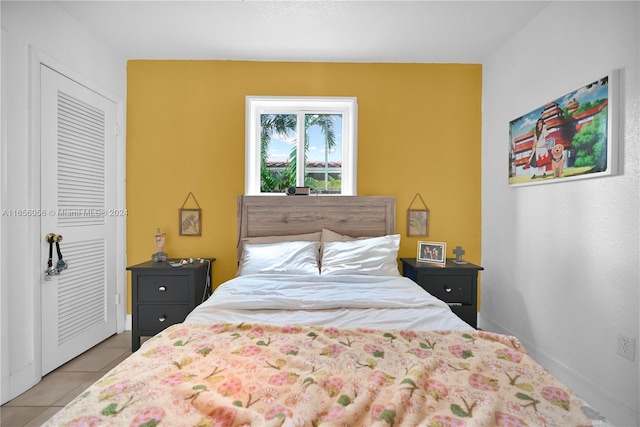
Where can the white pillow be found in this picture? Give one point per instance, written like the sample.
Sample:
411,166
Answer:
308,237
374,256
280,258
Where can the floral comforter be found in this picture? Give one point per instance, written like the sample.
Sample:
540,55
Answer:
266,375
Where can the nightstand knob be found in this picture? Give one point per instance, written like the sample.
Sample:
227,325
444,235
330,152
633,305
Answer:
162,319
447,289
162,289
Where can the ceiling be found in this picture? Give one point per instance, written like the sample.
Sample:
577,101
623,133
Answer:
333,31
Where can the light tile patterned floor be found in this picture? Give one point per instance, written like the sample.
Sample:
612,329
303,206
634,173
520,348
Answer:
56,389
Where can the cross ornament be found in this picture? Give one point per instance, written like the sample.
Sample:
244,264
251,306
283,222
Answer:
458,252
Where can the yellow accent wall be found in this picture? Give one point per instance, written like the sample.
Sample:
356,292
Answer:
419,131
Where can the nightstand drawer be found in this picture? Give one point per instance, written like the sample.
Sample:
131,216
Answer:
163,288
156,317
467,313
162,295
453,283
449,288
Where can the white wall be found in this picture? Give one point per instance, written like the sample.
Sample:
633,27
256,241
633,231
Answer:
562,260
54,33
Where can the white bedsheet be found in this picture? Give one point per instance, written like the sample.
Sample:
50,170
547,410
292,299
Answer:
338,301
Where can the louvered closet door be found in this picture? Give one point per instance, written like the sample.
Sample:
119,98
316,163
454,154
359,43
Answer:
78,137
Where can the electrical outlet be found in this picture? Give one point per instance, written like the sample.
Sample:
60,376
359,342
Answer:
627,347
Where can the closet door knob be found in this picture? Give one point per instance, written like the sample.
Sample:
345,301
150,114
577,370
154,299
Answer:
162,319
447,289
162,289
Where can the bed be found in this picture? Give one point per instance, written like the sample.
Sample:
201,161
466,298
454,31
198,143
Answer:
319,328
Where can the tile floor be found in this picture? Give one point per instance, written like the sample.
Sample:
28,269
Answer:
59,387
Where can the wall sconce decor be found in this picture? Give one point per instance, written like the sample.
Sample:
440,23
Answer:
417,219
190,220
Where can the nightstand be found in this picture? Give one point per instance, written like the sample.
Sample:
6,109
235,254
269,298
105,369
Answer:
455,284
163,295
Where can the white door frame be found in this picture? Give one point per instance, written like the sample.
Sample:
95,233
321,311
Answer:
4,335
36,235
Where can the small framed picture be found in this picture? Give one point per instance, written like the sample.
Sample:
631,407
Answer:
190,222
418,222
434,252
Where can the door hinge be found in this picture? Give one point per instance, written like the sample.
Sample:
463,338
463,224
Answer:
117,299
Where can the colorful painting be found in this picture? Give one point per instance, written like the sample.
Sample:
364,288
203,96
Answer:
570,137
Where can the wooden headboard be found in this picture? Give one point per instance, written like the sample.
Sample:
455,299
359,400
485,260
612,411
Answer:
356,216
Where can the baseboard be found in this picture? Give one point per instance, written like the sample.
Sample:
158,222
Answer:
127,323
608,405
21,381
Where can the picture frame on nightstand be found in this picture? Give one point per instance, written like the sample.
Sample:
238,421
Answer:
432,252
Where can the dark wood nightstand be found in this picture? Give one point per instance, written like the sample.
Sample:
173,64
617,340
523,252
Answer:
163,295
455,284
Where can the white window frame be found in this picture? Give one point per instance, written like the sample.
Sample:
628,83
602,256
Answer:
257,105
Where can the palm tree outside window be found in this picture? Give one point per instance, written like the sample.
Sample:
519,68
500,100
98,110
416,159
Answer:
300,142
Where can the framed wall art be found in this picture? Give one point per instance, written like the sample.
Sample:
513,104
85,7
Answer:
418,219
433,252
570,137
190,220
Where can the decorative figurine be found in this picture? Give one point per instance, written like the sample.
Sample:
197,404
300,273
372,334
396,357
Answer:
458,252
160,255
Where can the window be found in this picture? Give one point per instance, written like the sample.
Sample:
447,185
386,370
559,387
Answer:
318,133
